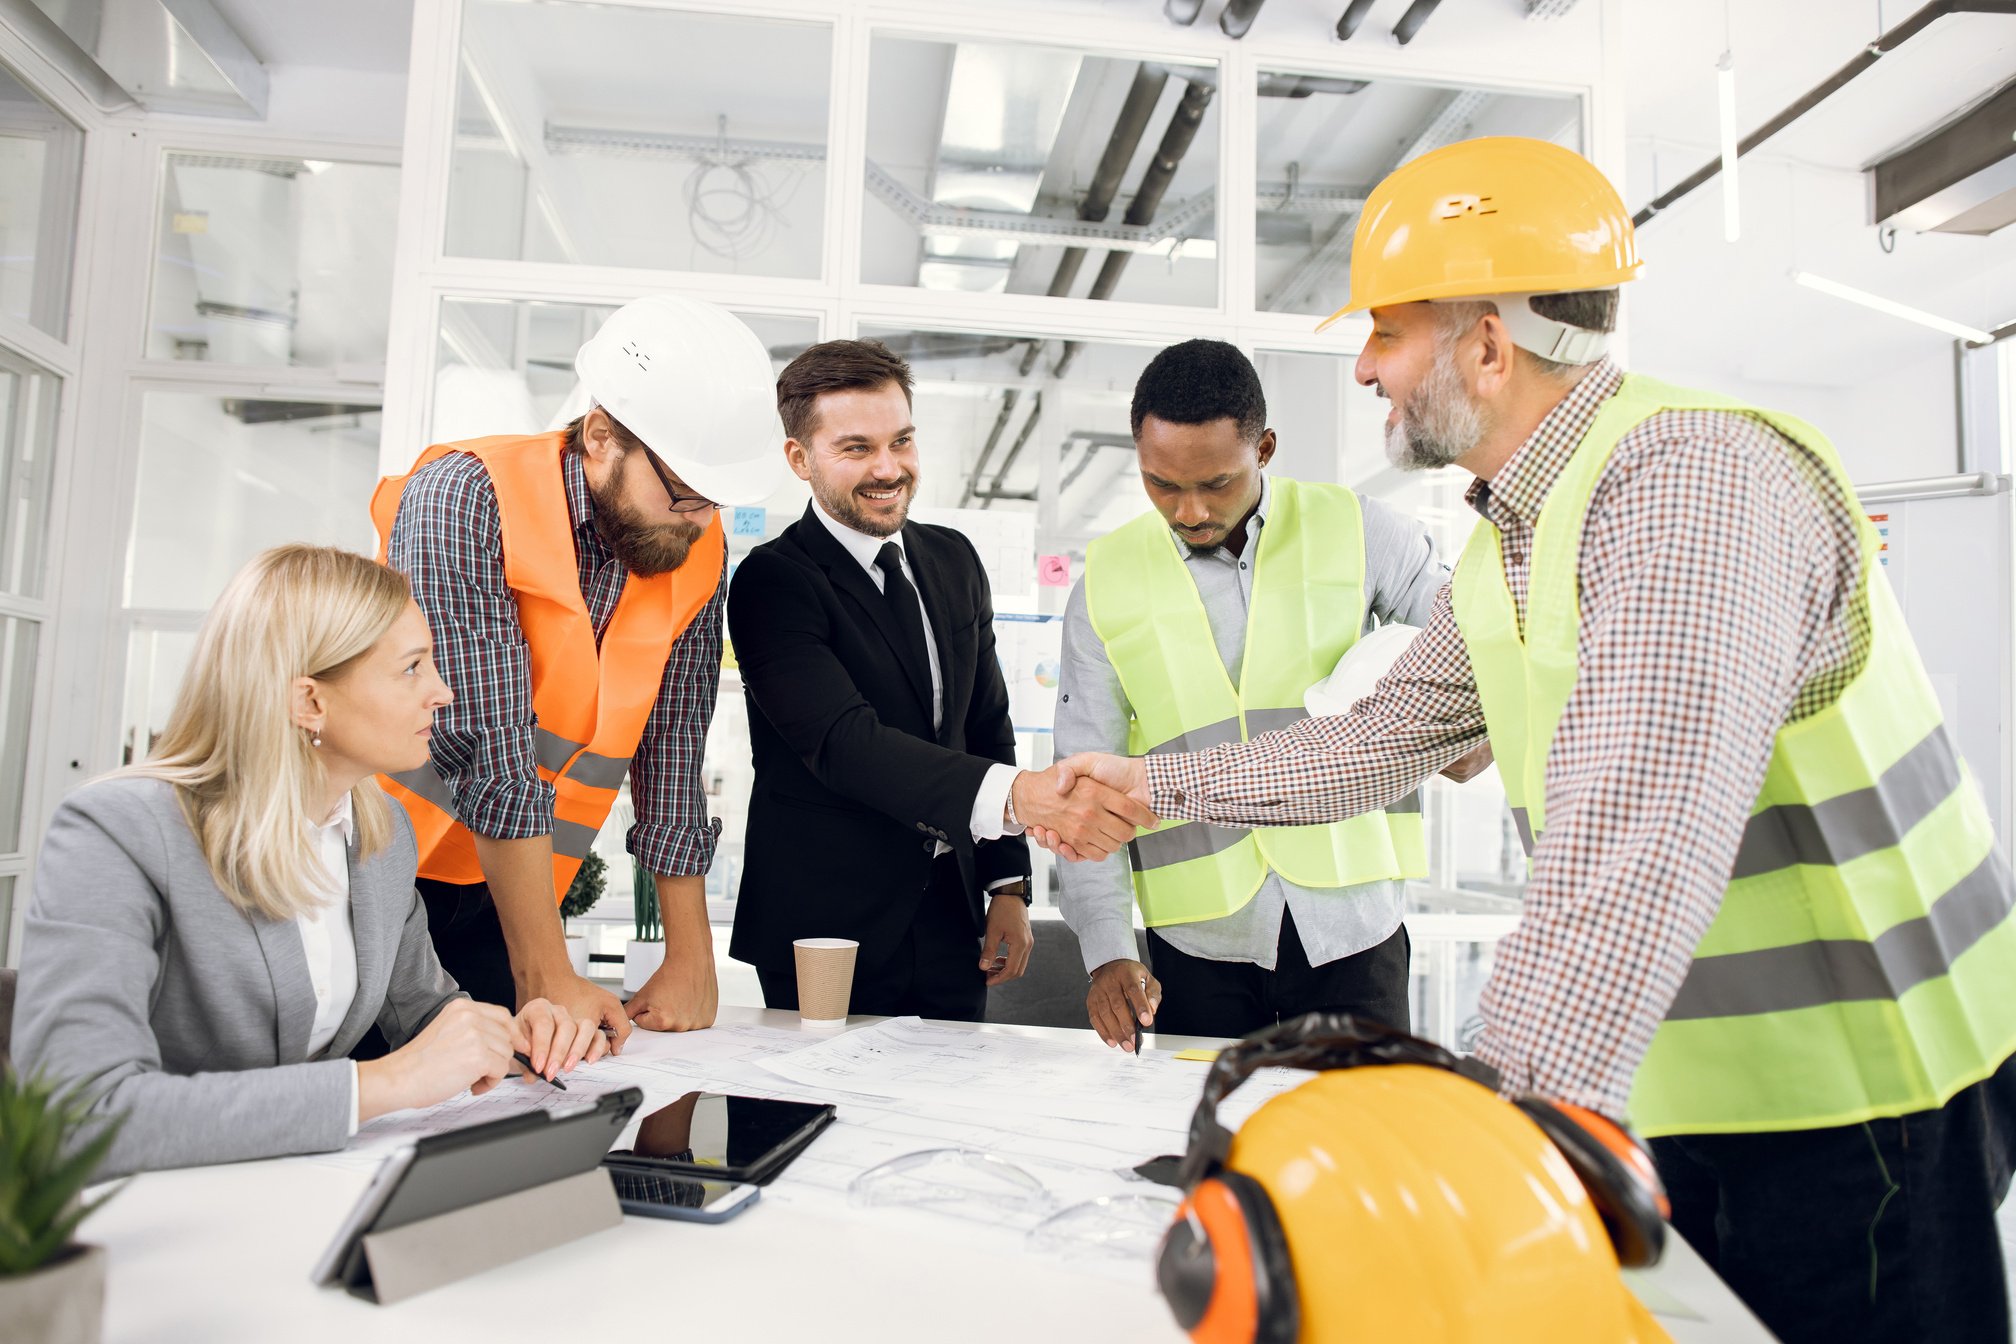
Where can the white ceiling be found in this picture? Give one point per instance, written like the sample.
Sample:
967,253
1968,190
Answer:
370,35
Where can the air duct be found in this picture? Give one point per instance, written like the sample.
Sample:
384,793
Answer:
1961,178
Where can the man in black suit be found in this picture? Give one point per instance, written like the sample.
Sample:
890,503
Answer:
887,801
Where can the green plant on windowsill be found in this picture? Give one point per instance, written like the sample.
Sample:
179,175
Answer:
644,901
591,880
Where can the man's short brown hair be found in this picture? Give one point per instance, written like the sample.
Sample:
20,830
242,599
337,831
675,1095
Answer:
834,366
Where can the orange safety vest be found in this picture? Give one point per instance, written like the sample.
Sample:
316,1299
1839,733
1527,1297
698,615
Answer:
591,704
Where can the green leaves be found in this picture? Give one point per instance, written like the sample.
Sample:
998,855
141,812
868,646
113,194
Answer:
644,904
587,888
45,1163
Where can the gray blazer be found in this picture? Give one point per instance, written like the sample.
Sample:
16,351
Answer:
142,981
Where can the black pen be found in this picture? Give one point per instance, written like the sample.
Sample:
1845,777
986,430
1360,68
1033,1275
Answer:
522,1058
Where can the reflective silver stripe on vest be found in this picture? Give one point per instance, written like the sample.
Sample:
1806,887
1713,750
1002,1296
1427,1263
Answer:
553,751
1854,824
1520,820
598,772
1260,721
1197,739
571,839
1411,803
1196,840
429,786
1806,975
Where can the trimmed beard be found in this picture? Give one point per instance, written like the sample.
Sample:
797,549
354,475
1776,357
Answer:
1441,422
841,507
645,548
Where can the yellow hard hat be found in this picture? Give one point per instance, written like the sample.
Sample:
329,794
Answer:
1498,215
1406,1202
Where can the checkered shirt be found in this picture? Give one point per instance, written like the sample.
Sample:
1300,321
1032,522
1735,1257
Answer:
1717,569
448,540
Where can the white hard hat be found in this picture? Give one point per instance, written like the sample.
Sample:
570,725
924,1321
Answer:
694,383
1359,670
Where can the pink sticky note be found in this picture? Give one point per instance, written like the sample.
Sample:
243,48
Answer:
1053,571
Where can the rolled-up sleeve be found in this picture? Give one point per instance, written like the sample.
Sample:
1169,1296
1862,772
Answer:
674,835
448,541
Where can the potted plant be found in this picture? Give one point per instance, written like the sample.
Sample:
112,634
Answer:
52,1288
646,952
590,881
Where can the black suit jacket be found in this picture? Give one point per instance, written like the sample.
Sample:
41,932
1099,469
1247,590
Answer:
853,788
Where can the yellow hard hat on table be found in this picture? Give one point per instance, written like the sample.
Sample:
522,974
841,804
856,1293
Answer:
1493,216
1394,1198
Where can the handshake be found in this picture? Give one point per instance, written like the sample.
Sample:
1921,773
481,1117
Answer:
1085,806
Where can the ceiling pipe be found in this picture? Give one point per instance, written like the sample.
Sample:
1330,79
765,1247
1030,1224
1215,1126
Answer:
1826,89
1353,15
994,491
1238,17
1142,97
1410,22
1183,13
1273,84
1176,142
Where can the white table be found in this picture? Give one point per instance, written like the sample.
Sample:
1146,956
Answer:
222,1254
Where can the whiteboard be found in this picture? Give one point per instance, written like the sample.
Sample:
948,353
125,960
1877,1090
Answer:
1950,558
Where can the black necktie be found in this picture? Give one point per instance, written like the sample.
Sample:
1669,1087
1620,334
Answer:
905,611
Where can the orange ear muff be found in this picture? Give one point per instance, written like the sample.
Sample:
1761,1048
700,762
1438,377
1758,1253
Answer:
1621,1180
1224,1266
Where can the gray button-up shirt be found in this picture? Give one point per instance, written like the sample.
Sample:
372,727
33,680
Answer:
1402,578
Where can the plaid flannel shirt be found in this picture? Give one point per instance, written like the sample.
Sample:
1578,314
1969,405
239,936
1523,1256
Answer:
448,540
1716,573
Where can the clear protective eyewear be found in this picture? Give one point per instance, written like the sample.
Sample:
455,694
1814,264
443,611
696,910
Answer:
1126,1226
681,502
960,1181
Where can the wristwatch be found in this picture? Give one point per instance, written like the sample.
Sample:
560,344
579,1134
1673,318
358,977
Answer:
1019,887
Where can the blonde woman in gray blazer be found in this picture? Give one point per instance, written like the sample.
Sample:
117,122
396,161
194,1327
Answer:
212,931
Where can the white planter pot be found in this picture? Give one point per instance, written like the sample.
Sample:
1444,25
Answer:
577,954
61,1303
640,960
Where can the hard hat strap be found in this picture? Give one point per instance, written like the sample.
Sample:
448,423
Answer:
1312,1041
1543,336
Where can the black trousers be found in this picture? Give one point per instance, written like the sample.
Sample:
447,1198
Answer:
1878,1233
933,971
469,940
1201,997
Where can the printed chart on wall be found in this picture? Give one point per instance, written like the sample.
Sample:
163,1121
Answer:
1007,545
1031,650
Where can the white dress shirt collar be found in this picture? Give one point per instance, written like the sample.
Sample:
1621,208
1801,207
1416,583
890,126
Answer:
860,545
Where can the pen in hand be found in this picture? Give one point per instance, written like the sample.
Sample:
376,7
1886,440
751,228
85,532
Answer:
526,1062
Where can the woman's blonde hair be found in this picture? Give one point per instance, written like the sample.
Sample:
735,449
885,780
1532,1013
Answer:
249,781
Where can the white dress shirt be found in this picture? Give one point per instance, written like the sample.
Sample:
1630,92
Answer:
990,805
328,940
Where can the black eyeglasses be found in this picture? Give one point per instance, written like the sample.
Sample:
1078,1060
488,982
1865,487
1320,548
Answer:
680,501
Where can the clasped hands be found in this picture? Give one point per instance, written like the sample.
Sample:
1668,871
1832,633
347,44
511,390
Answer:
1085,807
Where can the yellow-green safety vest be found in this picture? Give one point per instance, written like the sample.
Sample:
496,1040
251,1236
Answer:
1861,962
1307,608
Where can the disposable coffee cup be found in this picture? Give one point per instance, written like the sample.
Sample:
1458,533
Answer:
825,979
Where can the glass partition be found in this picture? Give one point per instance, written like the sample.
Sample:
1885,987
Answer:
1040,170
223,478
18,639
614,135
1324,141
27,470
41,152
273,261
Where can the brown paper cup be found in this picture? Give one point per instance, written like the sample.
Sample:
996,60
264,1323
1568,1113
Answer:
825,978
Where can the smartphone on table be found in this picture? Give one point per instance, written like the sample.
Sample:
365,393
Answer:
654,1195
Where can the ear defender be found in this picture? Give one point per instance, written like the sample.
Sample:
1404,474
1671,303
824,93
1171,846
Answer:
1224,1266
1620,1178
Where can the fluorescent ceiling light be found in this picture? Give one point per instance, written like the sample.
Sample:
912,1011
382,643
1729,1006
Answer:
1892,307
1725,88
